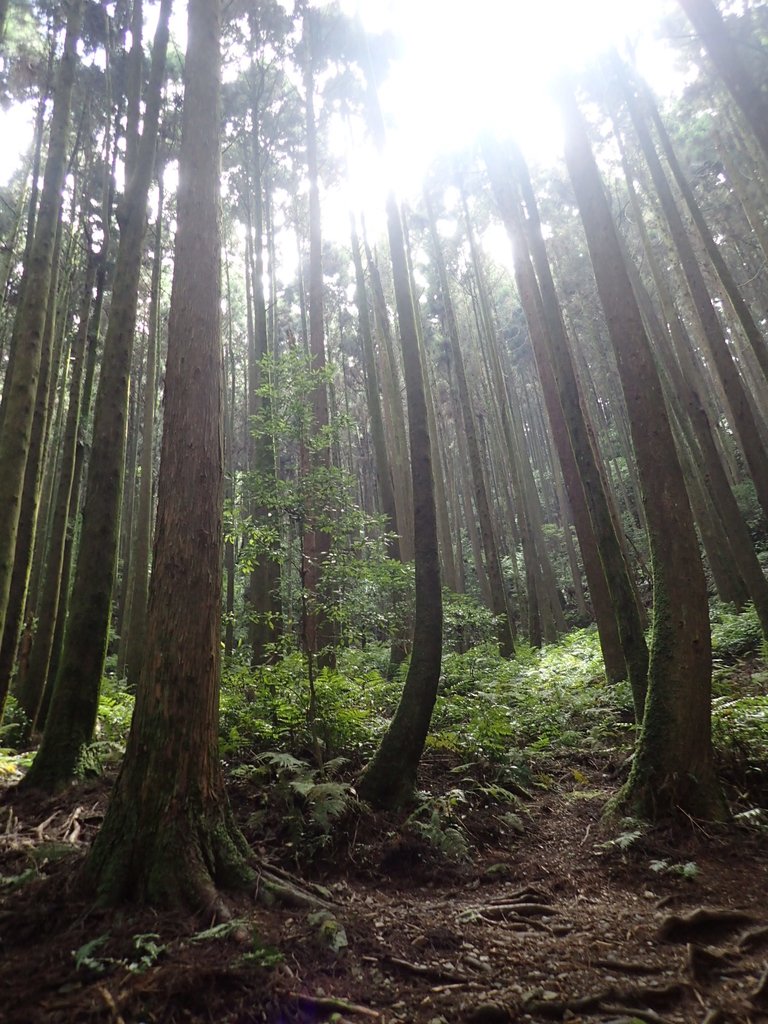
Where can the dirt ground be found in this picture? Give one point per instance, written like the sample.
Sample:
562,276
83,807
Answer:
554,921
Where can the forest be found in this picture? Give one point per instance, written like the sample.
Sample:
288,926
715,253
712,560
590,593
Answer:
383,536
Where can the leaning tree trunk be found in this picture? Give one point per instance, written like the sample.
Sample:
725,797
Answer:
743,414
168,837
731,65
673,770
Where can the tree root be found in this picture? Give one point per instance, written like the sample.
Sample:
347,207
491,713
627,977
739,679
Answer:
759,995
629,966
326,1005
422,970
610,1000
277,888
704,922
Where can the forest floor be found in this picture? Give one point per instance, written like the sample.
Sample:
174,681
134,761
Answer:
556,918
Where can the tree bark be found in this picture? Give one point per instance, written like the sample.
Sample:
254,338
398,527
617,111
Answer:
390,777
74,700
168,837
21,389
673,771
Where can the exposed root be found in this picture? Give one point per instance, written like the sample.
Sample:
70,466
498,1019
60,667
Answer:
702,923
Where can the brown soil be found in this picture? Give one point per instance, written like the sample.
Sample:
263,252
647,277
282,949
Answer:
554,922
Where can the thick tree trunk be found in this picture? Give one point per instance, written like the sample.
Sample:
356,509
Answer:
168,837
673,771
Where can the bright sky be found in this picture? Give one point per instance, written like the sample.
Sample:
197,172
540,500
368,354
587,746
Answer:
464,67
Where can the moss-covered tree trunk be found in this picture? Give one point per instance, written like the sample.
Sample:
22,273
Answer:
673,771
168,837
21,388
74,699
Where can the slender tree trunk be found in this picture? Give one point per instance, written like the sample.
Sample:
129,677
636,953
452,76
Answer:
74,701
262,591
135,627
390,777
742,411
30,690
556,359
499,605
22,386
317,543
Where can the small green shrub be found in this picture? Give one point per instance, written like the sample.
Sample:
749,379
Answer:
734,634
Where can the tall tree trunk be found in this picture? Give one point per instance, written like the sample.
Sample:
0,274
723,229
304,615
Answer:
169,837
317,542
673,770
499,605
390,777
742,412
555,358
74,701
135,628
731,65
263,588
30,689
674,356
22,386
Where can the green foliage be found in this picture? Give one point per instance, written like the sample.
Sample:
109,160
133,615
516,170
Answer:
115,713
466,623
301,803
268,708
689,870
437,821
557,697
740,736
734,634
15,727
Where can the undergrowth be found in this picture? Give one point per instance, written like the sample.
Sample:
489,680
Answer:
505,716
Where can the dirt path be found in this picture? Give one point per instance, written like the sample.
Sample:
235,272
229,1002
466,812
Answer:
555,923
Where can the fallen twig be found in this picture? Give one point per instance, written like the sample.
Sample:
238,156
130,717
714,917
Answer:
629,966
437,974
329,1005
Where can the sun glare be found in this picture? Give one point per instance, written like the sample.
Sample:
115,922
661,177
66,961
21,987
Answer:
488,66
